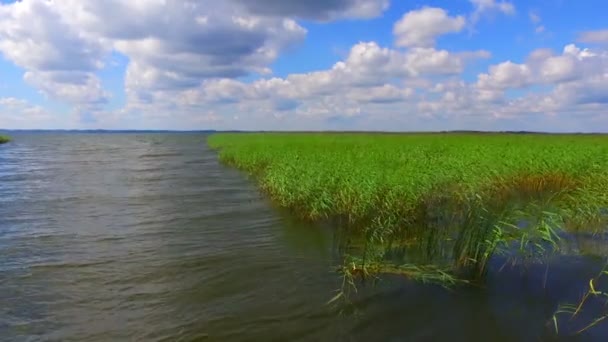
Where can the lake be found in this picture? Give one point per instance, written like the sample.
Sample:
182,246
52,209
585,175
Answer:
147,237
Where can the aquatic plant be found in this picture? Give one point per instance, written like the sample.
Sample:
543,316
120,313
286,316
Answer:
448,200
4,139
573,310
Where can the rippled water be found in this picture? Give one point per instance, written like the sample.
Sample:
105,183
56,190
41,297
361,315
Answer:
146,237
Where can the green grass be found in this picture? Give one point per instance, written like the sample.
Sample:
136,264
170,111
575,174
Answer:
4,139
447,199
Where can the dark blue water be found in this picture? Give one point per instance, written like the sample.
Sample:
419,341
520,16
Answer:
146,237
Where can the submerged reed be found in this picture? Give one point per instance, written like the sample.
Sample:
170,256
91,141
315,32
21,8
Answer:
594,293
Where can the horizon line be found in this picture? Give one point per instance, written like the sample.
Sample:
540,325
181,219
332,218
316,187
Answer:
284,131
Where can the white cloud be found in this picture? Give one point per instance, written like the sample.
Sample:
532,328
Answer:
12,103
323,98
534,17
18,113
367,71
186,58
592,90
483,7
81,88
317,9
59,58
170,45
380,94
371,79
600,36
506,75
545,68
420,28
536,20
200,45
36,35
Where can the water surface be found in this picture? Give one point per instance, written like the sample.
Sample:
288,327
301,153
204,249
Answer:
146,237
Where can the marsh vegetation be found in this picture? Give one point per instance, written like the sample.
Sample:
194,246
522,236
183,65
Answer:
4,139
439,208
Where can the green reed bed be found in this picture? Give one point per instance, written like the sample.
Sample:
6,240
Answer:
452,201
4,139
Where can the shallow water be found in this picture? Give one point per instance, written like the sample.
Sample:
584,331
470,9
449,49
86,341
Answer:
146,237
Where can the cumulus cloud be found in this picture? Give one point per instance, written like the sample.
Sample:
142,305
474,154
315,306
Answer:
371,79
572,94
506,75
59,58
36,35
592,90
170,44
420,28
186,60
81,88
544,67
178,44
376,87
575,78
364,76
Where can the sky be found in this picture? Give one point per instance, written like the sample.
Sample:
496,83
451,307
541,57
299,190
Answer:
400,65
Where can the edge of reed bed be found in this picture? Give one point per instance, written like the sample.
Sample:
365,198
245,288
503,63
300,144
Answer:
4,139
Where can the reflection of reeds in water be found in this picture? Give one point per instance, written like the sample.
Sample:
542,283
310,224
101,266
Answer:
586,244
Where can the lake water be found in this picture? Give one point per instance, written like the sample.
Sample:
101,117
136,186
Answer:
146,237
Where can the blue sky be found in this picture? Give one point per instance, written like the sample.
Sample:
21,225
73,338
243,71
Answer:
292,65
